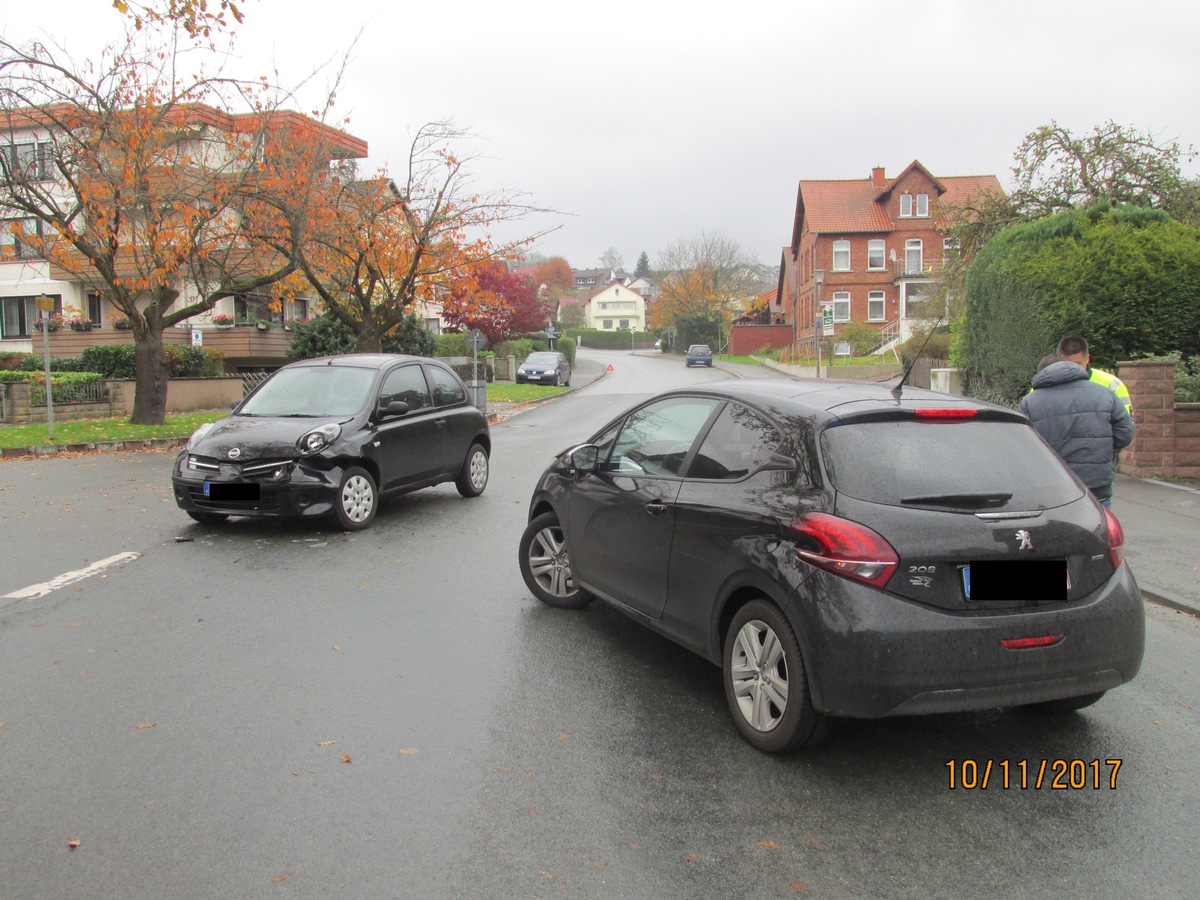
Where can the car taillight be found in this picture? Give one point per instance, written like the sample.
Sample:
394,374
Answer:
1031,643
844,548
1116,539
941,413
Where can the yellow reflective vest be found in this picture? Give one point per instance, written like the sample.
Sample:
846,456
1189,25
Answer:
1114,384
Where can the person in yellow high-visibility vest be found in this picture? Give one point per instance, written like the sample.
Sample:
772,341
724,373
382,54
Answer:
1075,349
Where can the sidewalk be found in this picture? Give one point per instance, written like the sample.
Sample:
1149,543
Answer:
1162,539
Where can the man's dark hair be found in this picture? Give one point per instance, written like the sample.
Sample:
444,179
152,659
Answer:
1049,360
1070,346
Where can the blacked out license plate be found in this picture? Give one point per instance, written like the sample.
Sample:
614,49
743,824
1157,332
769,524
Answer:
1026,579
218,491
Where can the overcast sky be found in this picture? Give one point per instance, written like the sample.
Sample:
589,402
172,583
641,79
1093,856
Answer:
649,122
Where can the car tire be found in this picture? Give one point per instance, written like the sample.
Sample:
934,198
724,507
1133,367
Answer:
546,566
556,382
766,686
207,518
473,477
1066,704
357,499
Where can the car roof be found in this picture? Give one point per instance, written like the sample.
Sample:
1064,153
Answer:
360,360
829,399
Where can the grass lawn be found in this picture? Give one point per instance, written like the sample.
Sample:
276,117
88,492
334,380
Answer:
89,431
508,392
86,431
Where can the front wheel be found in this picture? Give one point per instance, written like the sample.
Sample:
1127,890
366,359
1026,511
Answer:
357,499
473,477
546,566
765,682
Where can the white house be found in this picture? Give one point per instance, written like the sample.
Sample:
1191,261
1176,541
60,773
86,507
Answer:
615,308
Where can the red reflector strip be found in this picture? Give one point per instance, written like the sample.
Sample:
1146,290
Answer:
944,412
1048,640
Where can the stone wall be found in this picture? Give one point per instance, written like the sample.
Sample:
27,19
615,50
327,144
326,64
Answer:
1166,441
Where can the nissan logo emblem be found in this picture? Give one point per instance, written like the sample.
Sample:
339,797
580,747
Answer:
235,453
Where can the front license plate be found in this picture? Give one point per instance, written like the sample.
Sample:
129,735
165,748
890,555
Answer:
1026,579
220,491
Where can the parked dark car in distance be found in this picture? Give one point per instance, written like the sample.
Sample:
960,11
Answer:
843,550
330,436
699,355
544,367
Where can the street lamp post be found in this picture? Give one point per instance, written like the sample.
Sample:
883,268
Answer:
818,319
45,305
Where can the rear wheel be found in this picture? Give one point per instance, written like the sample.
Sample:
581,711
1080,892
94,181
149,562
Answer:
357,499
473,477
546,566
207,518
765,682
1067,704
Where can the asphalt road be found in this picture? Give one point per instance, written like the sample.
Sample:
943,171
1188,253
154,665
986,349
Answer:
283,709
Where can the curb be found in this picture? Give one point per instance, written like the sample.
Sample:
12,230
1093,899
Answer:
93,447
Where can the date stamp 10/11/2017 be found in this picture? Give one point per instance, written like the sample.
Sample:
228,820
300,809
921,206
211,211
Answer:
1033,774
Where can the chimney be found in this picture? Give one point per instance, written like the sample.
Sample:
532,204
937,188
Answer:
878,178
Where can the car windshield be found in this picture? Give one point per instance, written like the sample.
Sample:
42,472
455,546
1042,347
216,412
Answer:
993,465
542,359
312,392
698,348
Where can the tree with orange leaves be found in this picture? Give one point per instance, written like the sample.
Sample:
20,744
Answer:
146,190
391,245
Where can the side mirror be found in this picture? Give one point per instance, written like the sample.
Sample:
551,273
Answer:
583,459
392,409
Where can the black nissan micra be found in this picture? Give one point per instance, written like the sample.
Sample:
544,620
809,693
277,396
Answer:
330,436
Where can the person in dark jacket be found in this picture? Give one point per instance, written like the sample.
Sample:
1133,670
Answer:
1085,422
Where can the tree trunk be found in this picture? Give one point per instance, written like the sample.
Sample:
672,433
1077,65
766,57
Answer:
150,393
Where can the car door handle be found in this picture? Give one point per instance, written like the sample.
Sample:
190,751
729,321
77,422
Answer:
656,508
440,423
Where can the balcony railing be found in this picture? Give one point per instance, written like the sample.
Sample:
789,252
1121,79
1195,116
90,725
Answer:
926,268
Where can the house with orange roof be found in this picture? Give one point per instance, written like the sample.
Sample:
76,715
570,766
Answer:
871,249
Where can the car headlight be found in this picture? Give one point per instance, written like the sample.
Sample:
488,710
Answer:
319,438
199,433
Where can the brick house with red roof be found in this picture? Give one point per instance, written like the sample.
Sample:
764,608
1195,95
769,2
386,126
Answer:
871,248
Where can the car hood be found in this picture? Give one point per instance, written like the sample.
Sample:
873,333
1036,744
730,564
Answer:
256,438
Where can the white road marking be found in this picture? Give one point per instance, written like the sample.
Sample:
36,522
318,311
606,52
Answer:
40,590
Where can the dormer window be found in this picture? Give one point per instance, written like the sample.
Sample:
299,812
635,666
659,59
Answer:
922,205
906,206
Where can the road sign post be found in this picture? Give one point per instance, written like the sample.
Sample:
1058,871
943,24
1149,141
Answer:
45,306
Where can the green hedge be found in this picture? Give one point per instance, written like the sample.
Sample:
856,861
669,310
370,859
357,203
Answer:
610,340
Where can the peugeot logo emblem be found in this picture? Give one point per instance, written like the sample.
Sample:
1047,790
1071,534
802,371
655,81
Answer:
235,453
1026,540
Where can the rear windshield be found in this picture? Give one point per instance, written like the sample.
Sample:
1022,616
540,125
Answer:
891,462
698,348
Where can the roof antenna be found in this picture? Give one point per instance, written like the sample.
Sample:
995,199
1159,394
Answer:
904,378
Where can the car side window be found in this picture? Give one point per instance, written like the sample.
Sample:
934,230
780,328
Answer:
406,383
740,442
656,439
447,390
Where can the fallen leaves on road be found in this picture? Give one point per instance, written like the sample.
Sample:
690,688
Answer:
770,845
326,743
278,878
73,842
337,648
145,724
692,858
799,887
408,751
346,757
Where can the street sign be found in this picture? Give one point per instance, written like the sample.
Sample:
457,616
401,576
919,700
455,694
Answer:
475,340
45,304
197,337
827,320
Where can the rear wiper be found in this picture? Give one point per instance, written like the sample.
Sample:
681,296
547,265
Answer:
970,501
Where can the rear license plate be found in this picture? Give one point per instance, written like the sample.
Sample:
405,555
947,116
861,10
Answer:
219,491
1025,579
